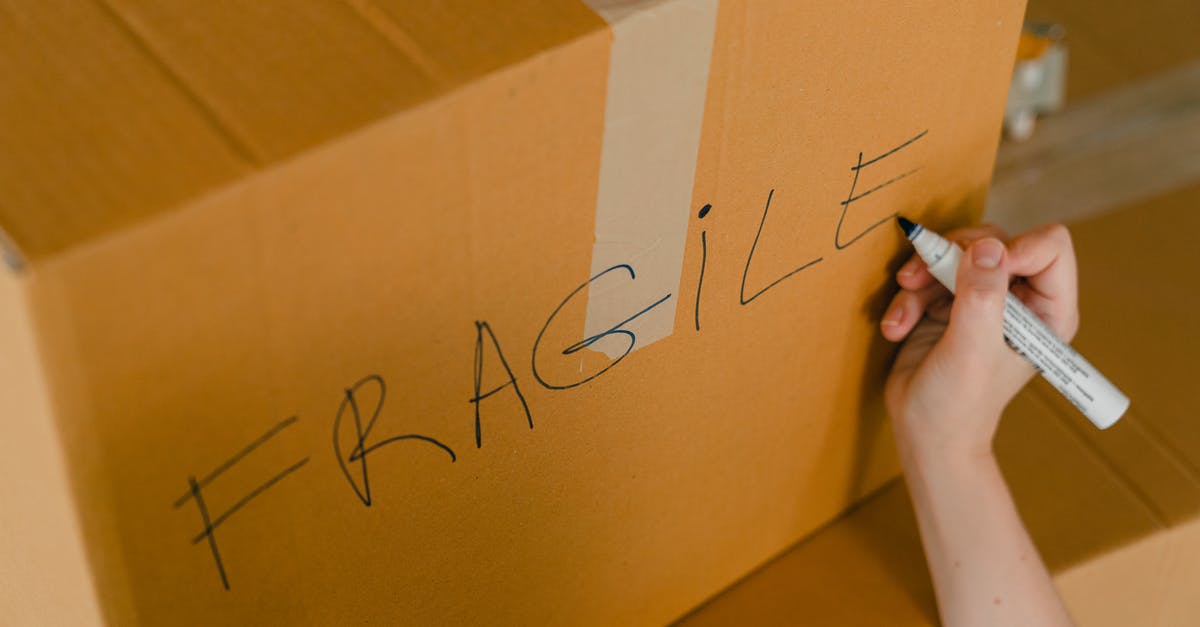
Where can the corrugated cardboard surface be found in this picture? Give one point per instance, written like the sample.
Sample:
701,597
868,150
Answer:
121,109
181,336
1115,514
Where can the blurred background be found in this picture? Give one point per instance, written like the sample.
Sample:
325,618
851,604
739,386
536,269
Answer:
1126,125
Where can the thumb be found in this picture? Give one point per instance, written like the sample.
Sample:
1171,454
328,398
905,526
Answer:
977,313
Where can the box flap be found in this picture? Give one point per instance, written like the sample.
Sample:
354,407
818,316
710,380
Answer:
116,111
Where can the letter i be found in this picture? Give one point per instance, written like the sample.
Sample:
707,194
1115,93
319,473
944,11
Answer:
703,261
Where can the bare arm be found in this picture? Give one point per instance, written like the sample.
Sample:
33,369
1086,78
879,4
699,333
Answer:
948,387
985,569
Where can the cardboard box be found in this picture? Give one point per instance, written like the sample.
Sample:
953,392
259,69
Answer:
242,223
1115,514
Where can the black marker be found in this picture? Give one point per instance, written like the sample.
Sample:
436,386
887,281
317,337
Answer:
1058,363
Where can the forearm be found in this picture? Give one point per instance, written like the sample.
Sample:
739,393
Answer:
985,568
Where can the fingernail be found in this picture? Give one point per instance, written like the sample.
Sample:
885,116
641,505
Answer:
986,253
893,316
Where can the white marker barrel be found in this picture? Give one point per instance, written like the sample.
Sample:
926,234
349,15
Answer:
1057,362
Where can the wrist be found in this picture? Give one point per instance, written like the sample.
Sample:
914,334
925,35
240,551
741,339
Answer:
930,449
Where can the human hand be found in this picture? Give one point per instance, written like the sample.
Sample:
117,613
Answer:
955,374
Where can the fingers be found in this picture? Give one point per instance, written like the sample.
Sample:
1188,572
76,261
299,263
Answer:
914,275
907,308
977,313
1046,258
921,291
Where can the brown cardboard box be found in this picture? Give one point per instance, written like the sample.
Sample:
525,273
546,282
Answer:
1115,514
242,222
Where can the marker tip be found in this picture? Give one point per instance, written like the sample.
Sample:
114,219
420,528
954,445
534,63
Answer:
908,226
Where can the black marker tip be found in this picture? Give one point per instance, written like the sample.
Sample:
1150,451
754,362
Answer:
907,225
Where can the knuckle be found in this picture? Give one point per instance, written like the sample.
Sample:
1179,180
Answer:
964,235
1059,234
982,295
1071,327
1064,324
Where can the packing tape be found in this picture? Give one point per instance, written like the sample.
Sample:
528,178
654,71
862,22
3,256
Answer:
657,83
